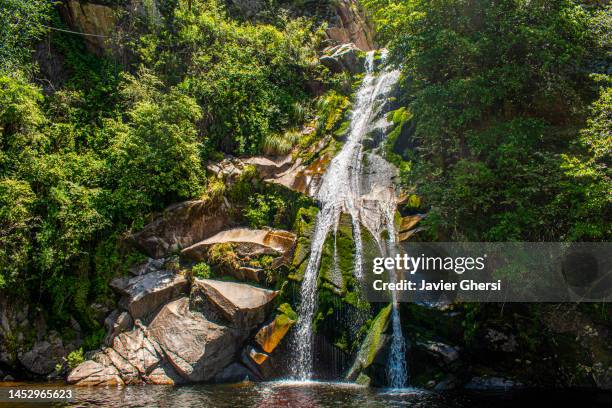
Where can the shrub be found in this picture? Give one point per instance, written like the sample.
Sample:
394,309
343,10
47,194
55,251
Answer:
201,270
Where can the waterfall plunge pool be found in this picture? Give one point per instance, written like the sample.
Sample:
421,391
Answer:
309,394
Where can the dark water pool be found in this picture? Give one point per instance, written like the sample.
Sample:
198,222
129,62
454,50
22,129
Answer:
291,394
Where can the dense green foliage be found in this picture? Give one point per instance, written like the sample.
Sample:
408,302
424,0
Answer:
86,160
498,93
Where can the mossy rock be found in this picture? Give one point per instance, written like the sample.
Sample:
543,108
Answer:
372,344
303,227
338,259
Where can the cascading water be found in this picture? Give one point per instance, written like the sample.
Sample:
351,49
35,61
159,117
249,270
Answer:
397,370
338,192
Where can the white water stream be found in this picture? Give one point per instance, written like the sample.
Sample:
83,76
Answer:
338,192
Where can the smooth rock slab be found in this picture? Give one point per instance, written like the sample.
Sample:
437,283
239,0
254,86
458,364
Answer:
247,242
146,293
243,305
180,226
137,350
93,373
197,348
270,335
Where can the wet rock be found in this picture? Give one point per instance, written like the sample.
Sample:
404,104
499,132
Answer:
492,384
244,306
117,322
181,225
444,353
196,347
128,373
304,178
145,293
270,335
372,345
448,383
234,373
349,24
345,57
93,373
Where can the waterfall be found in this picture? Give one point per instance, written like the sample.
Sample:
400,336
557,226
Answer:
397,370
338,192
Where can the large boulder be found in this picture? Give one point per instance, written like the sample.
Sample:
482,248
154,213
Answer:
42,358
372,345
196,347
137,350
181,225
240,252
94,373
116,322
243,306
164,374
247,242
345,57
144,294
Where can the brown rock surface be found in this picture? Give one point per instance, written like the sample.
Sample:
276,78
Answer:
181,225
145,293
90,18
270,335
93,373
244,306
196,347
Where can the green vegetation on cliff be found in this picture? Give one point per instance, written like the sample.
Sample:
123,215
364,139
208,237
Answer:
501,138
88,154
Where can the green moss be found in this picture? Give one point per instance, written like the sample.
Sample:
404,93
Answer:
372,343
337,262
286,310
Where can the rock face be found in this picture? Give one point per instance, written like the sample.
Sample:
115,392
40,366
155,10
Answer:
344,57
371,347
190,339
145,293
93,373
236,372
95,19
196,347
303,178
243,306
181,225
116,323
247,242
350,24
44,355
270,335
240,252
28,348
